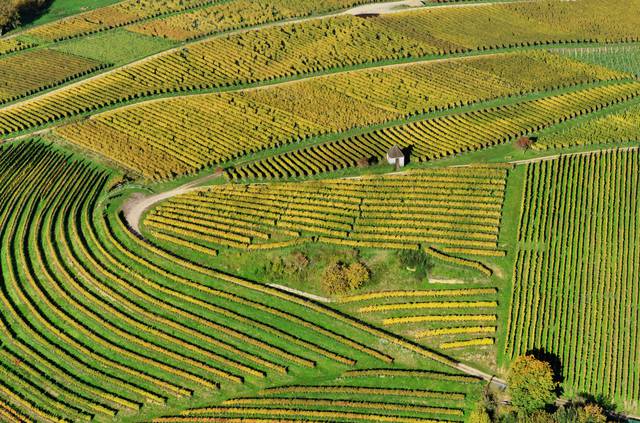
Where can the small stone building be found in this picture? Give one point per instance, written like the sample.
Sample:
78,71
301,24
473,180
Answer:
396,157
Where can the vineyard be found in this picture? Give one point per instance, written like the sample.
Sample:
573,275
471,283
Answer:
623,57
377,394
321,45
129,329
297,211
447,319
33,71
451,208
12,45
575,290
616,128
119,14
235,15
214,128
431,139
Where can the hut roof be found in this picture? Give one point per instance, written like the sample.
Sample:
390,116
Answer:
395,153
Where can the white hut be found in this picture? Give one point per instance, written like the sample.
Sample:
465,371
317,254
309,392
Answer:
396,157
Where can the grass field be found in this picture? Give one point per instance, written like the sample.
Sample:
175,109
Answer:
117,47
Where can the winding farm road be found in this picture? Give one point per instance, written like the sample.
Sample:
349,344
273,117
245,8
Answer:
138,203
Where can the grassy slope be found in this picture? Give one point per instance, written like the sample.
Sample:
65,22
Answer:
118,47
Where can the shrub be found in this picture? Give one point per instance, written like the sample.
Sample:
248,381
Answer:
8,15
591,413
524,143
356,275
339,278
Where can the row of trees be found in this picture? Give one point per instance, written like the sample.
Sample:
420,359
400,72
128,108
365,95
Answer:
12,12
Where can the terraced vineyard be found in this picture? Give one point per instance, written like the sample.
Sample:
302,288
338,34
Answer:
457,209
213,128
339,211
620,127
235,15
304,48
385,395
439,137
119,14
121,334
447,319
575,279
13,45
625,57
33,71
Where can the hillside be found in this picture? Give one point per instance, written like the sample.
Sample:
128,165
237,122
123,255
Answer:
321,211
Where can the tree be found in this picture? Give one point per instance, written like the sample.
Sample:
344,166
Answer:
8,15
531,384
11,11
334,280
339,278
357,275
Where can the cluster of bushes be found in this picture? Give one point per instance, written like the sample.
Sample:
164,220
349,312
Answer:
11,11
417,261
340,278
294,264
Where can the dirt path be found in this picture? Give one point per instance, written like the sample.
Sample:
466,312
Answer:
137,204
447,281
492,379
582,153
557,156
407,5
383,8
302,293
